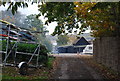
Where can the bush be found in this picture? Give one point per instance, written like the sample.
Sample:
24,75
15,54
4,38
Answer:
27,48
49,62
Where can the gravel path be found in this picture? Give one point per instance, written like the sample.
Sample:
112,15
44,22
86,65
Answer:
72,67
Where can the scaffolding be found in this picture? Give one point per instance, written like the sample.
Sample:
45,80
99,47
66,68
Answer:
12,49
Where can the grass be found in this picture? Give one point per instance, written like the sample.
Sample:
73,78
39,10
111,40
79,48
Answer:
11,77
45,72
39,74
39,78
11,73
49,63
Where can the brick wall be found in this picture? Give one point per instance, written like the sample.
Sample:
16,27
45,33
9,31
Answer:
107,52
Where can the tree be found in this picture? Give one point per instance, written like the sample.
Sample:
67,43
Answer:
28,22
32,21
61,12
100,20
72,38
13,6
37,25
16,19
99,16
62,40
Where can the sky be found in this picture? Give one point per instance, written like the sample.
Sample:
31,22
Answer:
33,9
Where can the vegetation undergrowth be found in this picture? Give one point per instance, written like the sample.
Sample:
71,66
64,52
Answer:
25,48
7,77
49,63
11,73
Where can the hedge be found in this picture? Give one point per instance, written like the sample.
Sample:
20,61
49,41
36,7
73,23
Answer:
27,48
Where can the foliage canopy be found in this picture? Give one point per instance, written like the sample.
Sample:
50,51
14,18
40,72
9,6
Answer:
62,40
102,17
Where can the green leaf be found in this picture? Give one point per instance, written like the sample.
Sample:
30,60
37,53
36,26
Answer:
11,4
26,4
13,10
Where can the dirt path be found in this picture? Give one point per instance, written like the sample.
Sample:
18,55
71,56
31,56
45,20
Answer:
72,67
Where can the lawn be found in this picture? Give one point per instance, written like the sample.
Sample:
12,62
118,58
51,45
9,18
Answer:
33,73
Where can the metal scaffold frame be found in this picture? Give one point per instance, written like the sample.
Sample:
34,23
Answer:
13,49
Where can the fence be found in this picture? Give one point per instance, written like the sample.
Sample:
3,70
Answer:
107,52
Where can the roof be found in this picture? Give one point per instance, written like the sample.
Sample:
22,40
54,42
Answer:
81,46
65,46
87,36
81,41
76,40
